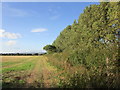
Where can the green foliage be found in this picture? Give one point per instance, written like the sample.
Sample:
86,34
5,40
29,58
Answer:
94,37
94,78
51,49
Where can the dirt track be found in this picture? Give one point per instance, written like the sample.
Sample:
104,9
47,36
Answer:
42,71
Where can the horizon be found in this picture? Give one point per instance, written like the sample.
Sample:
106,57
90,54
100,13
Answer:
25,52
29,26
21,52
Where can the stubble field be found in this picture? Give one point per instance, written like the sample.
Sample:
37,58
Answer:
28,71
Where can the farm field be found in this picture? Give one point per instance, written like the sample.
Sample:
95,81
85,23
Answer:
48,71
28,71
54,46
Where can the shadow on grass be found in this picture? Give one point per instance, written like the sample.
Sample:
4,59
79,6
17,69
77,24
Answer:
22,84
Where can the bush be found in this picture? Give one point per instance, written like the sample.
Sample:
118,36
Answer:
50,48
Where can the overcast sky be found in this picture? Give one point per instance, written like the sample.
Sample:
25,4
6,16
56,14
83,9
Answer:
29,26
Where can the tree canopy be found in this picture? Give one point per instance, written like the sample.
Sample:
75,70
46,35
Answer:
93,37
92,42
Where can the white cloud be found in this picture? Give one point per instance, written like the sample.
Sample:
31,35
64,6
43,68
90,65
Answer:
39,30
1,30
11,43
9,35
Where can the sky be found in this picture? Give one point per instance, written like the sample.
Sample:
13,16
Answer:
29,26
55,0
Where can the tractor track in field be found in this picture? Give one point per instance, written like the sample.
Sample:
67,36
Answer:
42,71
34,73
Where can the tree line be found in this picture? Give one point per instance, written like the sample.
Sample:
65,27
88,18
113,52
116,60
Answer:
21,54
92,38
92,41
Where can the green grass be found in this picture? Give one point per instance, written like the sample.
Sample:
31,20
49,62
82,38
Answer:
24,66
11,63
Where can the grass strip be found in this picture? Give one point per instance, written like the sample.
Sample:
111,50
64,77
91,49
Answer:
26,66
15,62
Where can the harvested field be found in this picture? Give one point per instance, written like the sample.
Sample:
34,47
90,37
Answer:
27,71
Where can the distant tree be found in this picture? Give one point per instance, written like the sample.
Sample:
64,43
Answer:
50,48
